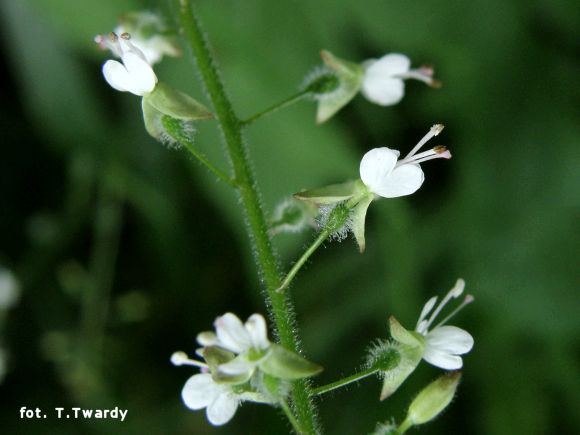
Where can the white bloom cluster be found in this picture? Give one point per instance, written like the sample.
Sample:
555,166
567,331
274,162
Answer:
221,400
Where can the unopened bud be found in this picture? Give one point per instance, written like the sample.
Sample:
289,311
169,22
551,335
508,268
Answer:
433,399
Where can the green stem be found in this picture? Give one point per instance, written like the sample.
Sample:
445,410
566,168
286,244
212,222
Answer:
344,381
175,130
274,108
336,220
290,417
280,306
298,265
404,427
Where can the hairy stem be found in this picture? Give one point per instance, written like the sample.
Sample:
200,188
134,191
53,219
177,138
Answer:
274,108
280,306
345,381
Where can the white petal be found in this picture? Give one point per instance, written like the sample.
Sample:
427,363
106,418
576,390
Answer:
222,409
116,75
257,329
384,91
380,84
237,366
389,65
143,79
232,334
450,339
442,360
403,180
376,165
207,338
199,391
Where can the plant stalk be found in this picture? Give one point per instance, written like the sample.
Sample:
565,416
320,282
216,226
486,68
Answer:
279,305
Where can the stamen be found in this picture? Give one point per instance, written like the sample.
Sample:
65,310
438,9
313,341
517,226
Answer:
453,293
468,299
426,309
434,131
180,358
126,36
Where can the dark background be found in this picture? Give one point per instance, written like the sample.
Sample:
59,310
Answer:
126,250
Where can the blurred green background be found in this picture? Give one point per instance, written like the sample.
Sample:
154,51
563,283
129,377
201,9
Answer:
126,250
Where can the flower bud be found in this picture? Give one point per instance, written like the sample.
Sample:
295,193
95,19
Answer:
433,399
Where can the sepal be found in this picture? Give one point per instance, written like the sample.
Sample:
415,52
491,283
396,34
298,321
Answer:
350,76
331,194
284,364
171,102
358,220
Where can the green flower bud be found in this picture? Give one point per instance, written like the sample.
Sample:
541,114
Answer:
433,399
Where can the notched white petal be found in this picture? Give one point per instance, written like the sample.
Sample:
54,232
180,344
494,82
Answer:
442,359
232,334
376,165
222,409
450,339
199,391
116,75
389,65
384,91
403,180
258,331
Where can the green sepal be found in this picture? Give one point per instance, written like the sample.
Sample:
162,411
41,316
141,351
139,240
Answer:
358,220
284,364
153,120
410,359
329,194
176,104
403,336
214,356
225,378
411,348
350,76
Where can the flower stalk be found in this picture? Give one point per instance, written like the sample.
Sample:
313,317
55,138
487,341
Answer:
279,305
345,381
275,107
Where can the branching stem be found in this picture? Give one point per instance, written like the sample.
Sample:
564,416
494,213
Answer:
279,305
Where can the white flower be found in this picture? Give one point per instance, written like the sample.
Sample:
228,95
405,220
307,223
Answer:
220,400
134,74
250,340
383,78
385,176
444,344
150,33
9,289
